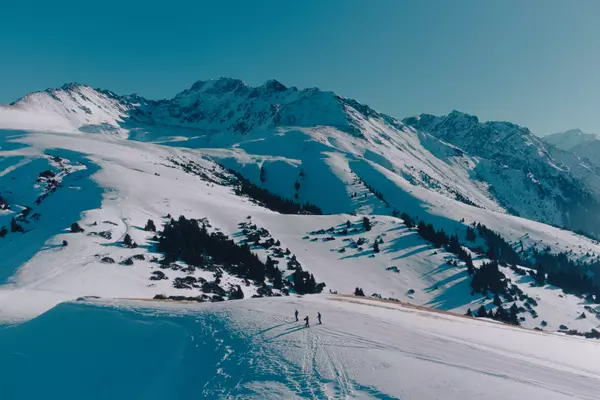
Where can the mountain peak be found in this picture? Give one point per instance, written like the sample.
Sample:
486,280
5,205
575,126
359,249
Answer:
575,132
273,85
220,85
70,86
457,115
570,139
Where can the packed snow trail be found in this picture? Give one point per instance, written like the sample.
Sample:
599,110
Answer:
254,349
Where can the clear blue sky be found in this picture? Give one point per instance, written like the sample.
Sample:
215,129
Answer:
536,63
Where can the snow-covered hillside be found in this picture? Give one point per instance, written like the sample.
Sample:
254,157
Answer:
111,187
495,166
284,192
528,177
365,349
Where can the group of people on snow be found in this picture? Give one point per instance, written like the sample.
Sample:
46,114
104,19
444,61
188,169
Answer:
306,319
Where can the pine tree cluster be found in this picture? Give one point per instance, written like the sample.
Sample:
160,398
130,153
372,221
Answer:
509,316
489,278
188,240
270,200
408,221
304,282
428,232
498,248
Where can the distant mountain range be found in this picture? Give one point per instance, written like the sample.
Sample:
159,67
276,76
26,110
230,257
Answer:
584,145
498,166
93,184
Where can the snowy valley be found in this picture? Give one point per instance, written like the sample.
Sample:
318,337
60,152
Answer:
212,216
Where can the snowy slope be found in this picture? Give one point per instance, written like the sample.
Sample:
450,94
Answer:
114,185
120,164
253,349
73,107
109,163
322,130
528,177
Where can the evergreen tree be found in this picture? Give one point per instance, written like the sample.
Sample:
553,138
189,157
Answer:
366,224
375,247
270,200
471,236
348,224
489,277
127,240
453,245
15,227
470,266
502,314
497,301
498,248
150,227
408,221
481,312
75,228
514,317
236,293
440,239
277,279
305,283
262,174
469,313
540,276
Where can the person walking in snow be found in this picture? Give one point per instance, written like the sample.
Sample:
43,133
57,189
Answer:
296,314
319,317
306,325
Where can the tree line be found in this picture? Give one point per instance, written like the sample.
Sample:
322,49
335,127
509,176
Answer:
271,201
189,241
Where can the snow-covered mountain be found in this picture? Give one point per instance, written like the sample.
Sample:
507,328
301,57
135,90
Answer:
584,145
497,166
569,139
528,177
92,185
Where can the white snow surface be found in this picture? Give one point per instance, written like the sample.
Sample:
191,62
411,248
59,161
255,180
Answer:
116,185
496,165
110,163
254,349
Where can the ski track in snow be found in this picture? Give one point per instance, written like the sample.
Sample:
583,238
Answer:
254,349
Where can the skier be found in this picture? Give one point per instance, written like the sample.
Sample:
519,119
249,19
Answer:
296,315
306,319
319,317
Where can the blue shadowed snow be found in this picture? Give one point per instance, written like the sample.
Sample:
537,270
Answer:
76,194
6,139
77,351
